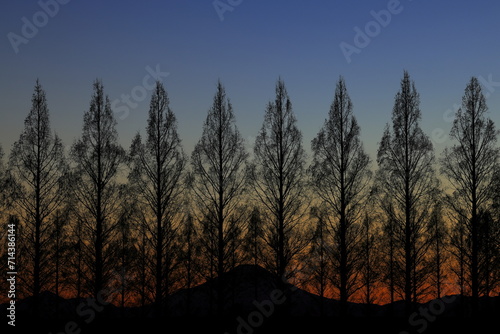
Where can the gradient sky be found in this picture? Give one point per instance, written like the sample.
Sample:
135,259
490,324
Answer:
441,43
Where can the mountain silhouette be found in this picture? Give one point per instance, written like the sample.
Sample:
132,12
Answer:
252,291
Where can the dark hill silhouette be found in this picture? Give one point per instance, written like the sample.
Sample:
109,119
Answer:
253,291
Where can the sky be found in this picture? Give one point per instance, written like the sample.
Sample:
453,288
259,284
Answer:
191,44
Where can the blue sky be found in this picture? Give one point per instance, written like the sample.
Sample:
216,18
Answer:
441,43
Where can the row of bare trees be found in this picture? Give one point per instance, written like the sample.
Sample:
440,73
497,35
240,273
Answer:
148,221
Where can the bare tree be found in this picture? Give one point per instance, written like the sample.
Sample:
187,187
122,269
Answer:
407,185
319,255
254,237
208,263
76,238
458,249
254,242
496,195
388,252
144,262
470,165
38,167
59,254
126,254
190,254
340,177
156,172
489,253
438,249
60,249
218,182
277,175
370,271
495,211
97,159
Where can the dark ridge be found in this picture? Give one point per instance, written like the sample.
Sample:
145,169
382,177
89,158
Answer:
252,296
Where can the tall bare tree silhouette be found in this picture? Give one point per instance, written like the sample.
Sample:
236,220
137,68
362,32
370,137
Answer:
38,167
277,174
470,166
218,181
340,176
97,158
407,184
156,172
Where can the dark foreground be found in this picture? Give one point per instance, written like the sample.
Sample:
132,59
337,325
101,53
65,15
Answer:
271,308
309,325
